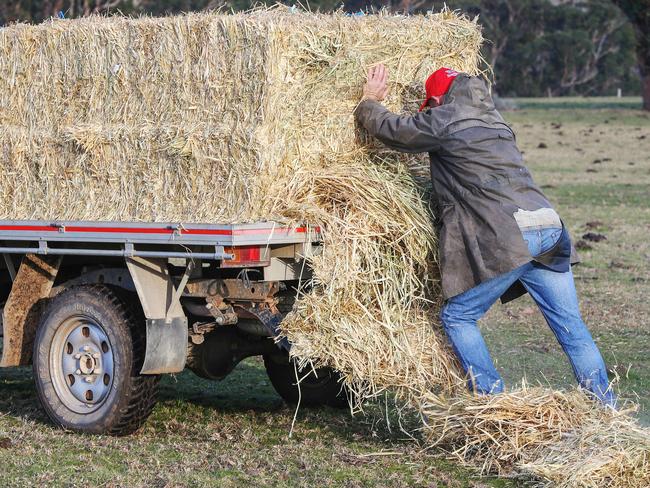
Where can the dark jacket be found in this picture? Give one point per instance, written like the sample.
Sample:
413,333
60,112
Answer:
479,181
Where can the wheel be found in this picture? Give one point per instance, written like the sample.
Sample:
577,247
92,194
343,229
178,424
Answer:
88,352
322,388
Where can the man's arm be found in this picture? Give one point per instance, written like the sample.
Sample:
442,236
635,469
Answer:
413,134
406,133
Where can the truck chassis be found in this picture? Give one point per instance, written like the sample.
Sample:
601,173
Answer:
101,309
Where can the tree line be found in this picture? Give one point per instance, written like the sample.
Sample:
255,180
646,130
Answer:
535,47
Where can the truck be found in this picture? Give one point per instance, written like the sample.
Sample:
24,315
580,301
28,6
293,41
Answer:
101,310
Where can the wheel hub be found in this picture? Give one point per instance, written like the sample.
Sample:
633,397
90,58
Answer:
81,364
88,364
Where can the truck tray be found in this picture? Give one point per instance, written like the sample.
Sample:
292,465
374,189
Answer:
128,239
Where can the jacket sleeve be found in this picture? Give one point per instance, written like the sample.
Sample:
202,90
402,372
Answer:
406,133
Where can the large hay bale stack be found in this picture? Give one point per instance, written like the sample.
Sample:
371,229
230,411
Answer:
199,117
220,118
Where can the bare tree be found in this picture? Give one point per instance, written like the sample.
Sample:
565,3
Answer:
598,48
504,23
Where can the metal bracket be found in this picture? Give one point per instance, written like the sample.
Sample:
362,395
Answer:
166,322
181,286
129,251
11,269
220,253
270,318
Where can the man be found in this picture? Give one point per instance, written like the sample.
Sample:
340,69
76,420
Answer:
499,235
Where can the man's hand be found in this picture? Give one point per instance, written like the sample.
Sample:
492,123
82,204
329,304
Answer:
376,87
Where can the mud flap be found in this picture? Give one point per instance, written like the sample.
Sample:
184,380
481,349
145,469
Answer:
22,311
166,351
167,332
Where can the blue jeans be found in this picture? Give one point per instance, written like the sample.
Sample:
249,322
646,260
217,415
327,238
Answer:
555,295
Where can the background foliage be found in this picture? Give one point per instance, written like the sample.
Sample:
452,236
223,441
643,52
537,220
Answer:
536,47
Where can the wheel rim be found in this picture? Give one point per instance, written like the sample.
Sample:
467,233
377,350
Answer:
81,364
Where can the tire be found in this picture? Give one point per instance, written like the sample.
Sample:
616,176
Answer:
322,388
88,352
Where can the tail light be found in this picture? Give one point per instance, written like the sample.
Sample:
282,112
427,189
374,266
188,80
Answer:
246,256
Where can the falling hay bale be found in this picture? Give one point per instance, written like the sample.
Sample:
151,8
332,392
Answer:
561,437
369,313
244,117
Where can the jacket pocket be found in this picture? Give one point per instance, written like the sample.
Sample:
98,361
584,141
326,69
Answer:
450,237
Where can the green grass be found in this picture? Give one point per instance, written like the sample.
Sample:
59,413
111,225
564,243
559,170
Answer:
626,194
236,432
232,433
581,103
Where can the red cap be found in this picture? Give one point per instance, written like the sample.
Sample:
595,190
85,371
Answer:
438,84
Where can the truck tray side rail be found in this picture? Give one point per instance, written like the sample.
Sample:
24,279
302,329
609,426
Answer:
127,238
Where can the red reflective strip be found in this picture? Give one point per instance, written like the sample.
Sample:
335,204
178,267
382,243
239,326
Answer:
119,230
115,230
277,230
214,232
39,228
239,232
149,230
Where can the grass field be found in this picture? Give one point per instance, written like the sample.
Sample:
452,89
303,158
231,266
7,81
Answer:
592,157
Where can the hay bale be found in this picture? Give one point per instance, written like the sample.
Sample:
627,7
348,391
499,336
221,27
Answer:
201,117
373,302
561,438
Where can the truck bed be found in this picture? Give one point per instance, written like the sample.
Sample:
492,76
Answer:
202,241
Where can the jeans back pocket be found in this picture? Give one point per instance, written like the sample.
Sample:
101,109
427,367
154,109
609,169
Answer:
549,238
